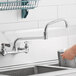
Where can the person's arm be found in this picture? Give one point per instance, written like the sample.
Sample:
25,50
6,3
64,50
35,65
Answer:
69,53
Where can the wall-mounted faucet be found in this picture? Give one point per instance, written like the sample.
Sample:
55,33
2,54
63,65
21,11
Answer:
14,48
26,47
53,22
10,49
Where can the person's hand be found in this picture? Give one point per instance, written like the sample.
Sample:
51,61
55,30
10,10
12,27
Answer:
69,53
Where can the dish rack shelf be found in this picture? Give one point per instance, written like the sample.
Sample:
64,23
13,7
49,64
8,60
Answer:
14,5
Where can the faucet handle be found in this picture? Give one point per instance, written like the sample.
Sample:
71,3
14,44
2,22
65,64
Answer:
3,50
5,44
23,47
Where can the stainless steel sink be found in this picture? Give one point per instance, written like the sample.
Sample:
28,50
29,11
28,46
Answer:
19,72
45,69
31,71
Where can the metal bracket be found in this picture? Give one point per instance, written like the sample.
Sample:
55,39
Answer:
24,12
8,49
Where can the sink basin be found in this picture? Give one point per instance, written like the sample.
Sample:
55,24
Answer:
31,71
19,72
44,69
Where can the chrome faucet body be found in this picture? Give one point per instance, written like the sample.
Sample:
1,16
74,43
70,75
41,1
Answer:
24,38
26,44
53,22
16,49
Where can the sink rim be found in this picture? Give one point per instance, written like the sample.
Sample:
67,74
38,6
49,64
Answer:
35,70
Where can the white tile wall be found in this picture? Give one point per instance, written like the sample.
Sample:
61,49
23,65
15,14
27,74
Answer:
19,25
56,2
40,13
66,2
43,14
13,35
72,36
72,40
37,18
3,39
67,11
56,32
8,16
48,12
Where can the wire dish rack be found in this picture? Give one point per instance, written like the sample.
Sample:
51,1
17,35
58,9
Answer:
23,4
